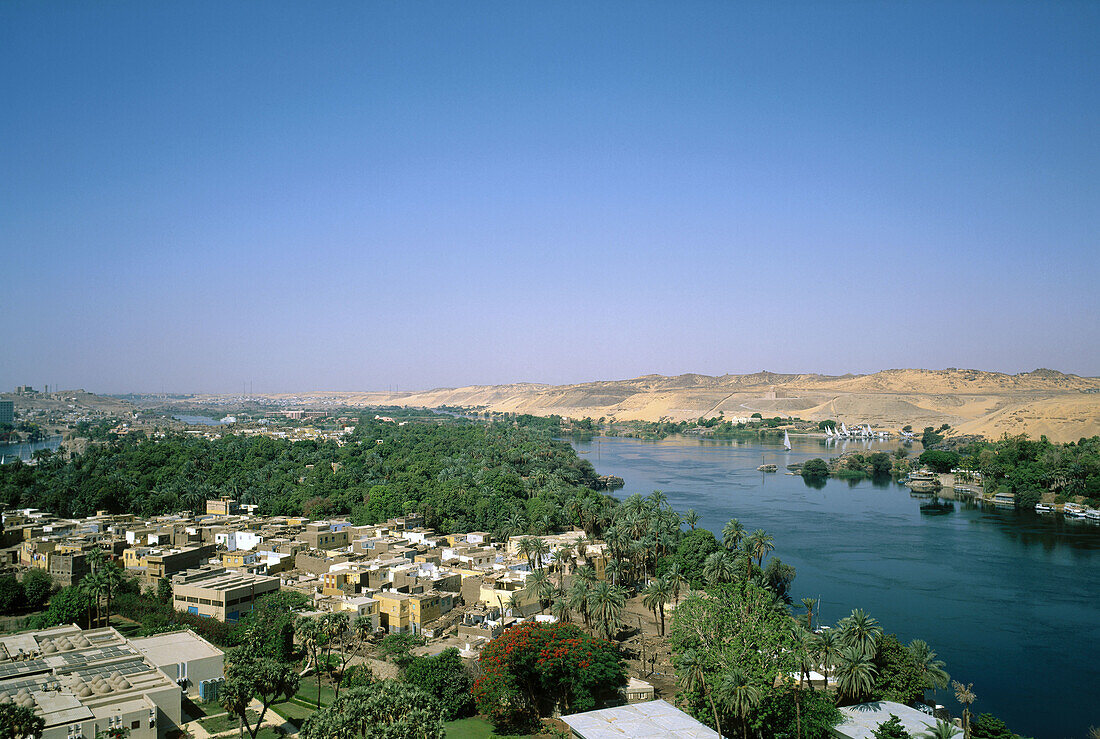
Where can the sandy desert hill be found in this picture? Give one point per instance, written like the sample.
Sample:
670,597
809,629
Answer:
1063,407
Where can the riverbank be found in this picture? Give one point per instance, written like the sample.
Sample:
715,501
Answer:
986,586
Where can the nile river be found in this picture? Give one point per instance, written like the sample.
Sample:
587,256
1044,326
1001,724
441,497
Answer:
1007,599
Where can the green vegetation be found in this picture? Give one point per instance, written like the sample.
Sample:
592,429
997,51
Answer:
1031,469
445,677
476,727
387,709
461,475
17,722
532,669
815,468
891,729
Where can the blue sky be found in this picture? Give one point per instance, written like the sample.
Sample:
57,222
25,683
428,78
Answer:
363,196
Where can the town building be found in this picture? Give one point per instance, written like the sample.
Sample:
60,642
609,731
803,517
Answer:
216,593
196,665
7,412
83,683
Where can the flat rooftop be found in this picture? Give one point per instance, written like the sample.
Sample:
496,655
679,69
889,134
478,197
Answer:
175,646
649,720
861,721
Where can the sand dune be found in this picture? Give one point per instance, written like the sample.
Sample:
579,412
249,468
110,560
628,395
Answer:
1063,407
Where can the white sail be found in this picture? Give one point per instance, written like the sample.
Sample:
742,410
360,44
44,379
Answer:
844,429
786,441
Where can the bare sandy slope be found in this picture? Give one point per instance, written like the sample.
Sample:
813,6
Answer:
1063,407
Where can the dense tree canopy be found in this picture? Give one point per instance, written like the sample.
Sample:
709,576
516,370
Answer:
461,475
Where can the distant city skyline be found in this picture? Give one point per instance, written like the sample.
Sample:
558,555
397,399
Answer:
358,197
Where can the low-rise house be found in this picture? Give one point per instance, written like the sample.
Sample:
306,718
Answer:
153,563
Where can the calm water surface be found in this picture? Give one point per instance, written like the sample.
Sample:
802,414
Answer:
24,451
1008,600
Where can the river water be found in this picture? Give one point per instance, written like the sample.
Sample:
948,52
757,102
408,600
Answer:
1007,599
25,450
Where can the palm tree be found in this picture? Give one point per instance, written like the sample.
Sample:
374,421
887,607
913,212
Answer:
526,548
559,609
515,603
691,518
861,632
935,677
732,534
515,525
740,696
112,578
676,580
657,595
828,651
92,585
759,544
855,675
541,586
586,573
605,604
805,644
578,597
539,549
693,675
942,730
964,694
718,567
560,559
616,568
809,604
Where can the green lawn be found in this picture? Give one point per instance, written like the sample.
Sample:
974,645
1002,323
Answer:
475,728
293,711
224,723
307,693
125,626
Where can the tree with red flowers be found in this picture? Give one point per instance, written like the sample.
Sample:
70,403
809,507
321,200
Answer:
531,669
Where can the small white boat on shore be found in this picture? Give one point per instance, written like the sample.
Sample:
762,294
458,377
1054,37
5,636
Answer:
1043,507
1092,514
1074,510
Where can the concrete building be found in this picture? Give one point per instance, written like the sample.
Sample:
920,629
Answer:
216,593
7,412
860,721
153,563
68,569
651,720
222,507
196,665
234,540
85,682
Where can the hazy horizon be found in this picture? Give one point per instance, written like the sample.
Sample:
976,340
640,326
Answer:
197,197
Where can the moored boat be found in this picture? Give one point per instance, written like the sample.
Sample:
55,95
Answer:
1074,510
1043,508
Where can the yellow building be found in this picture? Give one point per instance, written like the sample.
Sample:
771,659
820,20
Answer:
341,582
502,592
401,612
393,612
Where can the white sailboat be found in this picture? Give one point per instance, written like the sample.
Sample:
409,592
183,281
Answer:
844,428
786,441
